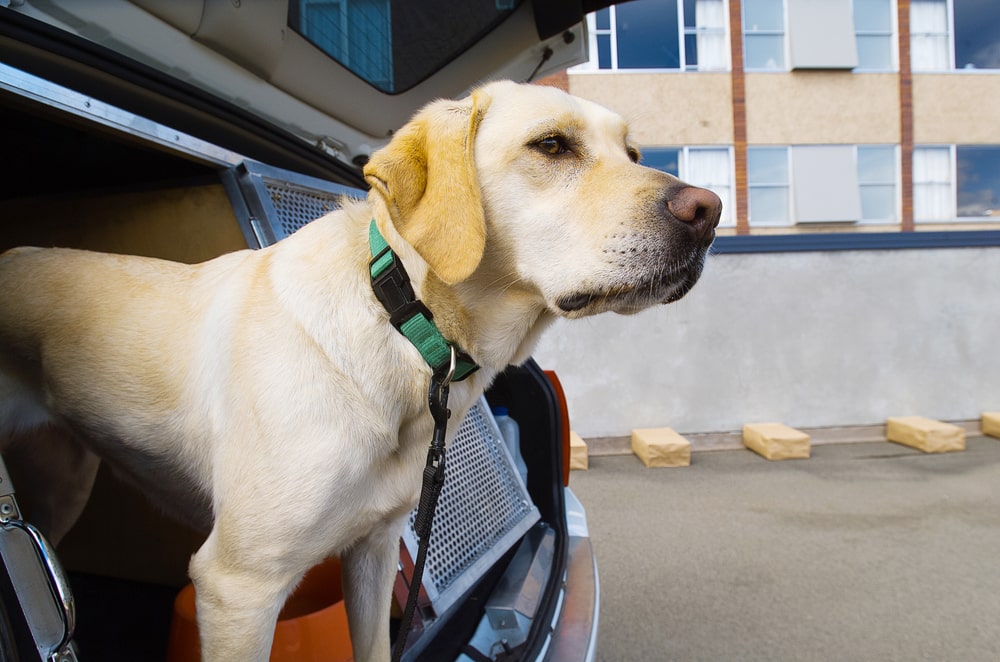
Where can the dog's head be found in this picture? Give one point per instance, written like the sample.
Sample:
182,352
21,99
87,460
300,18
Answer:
536,188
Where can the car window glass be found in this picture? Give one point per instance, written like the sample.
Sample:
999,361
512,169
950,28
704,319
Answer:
396,44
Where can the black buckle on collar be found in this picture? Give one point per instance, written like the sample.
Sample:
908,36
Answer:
393,290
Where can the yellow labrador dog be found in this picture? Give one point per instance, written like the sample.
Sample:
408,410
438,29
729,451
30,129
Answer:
509,208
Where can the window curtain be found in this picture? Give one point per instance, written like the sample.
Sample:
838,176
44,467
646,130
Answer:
933,199
930,49
709,168
710,22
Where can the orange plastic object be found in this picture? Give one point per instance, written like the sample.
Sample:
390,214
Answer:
563,420
311,628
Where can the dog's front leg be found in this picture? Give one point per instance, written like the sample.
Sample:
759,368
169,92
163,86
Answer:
369,570
239,596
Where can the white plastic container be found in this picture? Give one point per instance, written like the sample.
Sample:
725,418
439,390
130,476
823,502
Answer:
512,439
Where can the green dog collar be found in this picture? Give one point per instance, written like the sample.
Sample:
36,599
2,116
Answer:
409,315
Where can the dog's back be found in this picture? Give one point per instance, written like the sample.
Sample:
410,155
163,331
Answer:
23,273
84,335
78,316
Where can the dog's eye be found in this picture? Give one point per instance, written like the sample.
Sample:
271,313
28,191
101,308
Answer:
554,145
633,154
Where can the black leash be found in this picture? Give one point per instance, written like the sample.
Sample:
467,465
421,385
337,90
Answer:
433,482
392,287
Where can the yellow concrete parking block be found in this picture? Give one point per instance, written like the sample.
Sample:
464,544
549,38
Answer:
661,447
925,434
776,441
991,423
578,458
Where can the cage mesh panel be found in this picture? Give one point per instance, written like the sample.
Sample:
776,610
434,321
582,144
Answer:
481,500
297,207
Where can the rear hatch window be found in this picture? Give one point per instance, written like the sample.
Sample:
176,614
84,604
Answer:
396,44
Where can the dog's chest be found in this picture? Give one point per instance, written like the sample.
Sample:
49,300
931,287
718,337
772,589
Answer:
395,482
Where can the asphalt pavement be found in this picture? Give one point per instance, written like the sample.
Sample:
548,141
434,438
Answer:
863,552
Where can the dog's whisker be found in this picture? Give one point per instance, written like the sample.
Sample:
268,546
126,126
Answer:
502,277
510,285
515,279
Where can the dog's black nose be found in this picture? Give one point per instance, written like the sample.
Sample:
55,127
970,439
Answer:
698,207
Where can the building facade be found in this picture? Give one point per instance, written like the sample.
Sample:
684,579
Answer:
856,147
812,115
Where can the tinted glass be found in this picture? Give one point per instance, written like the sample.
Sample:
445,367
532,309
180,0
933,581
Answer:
396,44
662,158
691,51
648,36
977,34
603,19
604,51
690,13
978,175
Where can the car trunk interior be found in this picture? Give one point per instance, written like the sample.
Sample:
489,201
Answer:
71,184
74,185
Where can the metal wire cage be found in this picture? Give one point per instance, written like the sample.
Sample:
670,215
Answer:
483,511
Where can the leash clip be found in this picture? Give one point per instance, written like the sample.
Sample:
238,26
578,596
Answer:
437,402
452,366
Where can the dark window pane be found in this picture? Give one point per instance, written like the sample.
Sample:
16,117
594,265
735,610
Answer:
395,44
665,159
604,51
977,34
648,36
689,13
691,51
978,172
603,19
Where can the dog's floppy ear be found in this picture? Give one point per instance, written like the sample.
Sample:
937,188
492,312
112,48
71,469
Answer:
427,178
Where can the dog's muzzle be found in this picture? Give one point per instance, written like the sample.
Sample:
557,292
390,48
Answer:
697,209
688,216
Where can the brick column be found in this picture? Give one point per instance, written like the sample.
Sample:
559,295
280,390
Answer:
740,186
905,117
560,80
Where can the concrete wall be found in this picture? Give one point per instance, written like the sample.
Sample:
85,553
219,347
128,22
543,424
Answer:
808,339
